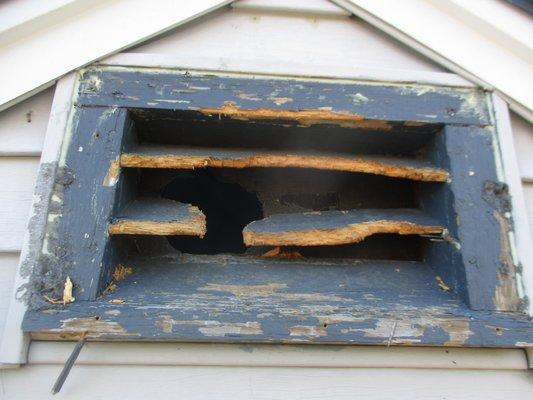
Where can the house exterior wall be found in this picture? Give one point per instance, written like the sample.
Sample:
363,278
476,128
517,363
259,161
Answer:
204,371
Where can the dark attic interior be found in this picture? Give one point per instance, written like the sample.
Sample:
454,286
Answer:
237,172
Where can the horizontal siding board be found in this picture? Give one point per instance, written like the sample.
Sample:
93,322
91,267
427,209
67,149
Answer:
17,180
264,36
244,383
8,268
22,127
101,353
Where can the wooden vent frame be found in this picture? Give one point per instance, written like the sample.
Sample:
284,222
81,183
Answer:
464,294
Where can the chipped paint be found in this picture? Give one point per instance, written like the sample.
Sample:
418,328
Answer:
222,329
245,290
267,290
308,331
358,98
458,329
506,293
279,101
248,96
302,117
401,329
113,174
93,327
211,328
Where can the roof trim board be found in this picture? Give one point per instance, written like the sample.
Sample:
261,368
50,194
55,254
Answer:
437,33
79,39
435,36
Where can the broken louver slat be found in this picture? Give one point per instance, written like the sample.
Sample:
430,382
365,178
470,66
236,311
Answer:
336,227
152,216
177,157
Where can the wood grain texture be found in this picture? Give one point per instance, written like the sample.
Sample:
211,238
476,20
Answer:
336,227
215,95
152,216
193,158
245,300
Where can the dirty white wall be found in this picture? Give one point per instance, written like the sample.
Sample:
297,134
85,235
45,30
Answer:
204,371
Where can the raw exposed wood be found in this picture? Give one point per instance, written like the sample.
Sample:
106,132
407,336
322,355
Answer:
302,117
147,216
336,227
177,157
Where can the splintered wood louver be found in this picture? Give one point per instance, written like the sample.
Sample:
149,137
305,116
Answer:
153,216
242,218
192,158
336,227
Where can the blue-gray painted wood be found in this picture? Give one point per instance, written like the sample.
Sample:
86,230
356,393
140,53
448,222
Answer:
474,207
137,88
86,203
154,209
240,299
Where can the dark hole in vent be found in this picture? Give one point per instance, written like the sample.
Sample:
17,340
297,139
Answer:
231,199
376,247
228,208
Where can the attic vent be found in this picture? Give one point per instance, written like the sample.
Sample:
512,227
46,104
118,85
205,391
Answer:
270,187
210,208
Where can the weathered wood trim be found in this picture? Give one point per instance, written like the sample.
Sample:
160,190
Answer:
521,229
336,227
280,301
193,158
14,346
436,317
140,88
483,274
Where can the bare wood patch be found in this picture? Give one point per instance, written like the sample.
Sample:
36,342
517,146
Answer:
301,117
308,331
506,293
113,174
211,328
